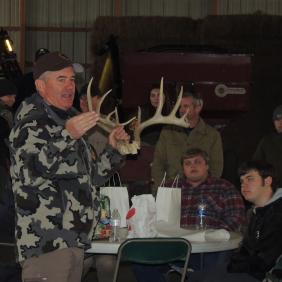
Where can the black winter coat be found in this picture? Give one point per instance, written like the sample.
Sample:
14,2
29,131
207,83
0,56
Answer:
262,243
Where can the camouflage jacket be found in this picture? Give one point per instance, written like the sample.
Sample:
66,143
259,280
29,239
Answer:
54,179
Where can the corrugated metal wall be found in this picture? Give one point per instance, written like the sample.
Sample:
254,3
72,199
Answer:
65,25
9,17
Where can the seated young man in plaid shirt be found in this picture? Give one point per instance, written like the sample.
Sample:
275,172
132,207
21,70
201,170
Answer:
222,203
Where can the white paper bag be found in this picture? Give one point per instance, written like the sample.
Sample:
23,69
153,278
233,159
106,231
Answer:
142,217
119,199
168,202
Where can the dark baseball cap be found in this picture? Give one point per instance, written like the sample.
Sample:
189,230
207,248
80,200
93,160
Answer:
54,61
7,87
277,113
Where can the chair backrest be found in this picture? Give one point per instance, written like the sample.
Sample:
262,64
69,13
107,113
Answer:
154,251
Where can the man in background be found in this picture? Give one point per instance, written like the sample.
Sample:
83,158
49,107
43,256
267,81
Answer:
269,148
26,86
261,245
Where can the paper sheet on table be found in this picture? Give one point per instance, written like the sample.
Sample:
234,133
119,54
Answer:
165,229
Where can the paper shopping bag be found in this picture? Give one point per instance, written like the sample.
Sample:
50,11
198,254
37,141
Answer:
119,199
168,202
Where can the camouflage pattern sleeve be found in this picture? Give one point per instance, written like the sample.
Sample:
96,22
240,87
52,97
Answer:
106,165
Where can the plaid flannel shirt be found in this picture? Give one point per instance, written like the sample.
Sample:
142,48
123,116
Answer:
224,205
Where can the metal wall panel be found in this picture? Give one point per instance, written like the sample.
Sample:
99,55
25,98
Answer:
54,14
179,8
83,13
157,8
5,13
37,12
144,7
273,7
106,8
232,7
14,13
9,17
93,11
67,13
9,13
54,41
80,13
170,8
198,9
132,8
182,8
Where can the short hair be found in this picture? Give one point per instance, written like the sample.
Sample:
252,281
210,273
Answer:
263,168
155,85
193,152
197,98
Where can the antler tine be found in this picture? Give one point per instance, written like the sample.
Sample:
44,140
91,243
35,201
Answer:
177,104
89,100
116,115
158,118
100,102
107,124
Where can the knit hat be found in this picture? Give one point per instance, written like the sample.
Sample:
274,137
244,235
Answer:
54,61
40,52
7,87
277,114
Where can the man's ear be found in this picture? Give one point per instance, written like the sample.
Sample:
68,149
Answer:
268,181
199,108
40,86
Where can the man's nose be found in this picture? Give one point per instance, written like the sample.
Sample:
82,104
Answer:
70,84
243,184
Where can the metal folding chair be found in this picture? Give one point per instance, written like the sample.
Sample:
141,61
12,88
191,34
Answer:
154,251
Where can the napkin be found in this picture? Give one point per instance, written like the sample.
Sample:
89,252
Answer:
165,229
215,235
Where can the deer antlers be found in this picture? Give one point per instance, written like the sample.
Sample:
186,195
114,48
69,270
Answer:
108,123
131,148
158,118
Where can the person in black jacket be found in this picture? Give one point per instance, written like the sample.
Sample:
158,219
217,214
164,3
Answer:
26,86
262,244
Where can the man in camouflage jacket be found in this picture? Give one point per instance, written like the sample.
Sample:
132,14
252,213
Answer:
53,172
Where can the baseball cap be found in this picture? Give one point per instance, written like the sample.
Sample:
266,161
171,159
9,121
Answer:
40,52
54,61
277,113
7,88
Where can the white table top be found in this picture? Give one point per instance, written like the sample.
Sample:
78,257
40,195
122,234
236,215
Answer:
105,247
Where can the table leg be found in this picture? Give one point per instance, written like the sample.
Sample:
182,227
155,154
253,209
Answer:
202,261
